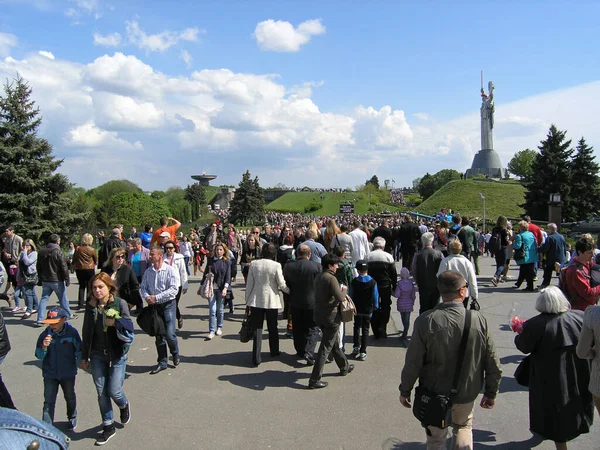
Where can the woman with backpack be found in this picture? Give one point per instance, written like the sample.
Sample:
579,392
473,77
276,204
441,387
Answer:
498,246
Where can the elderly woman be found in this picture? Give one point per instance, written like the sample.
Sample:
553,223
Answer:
586,349
139,258
526,240
124,277
265,280
560,403
85,260
28,277
458,262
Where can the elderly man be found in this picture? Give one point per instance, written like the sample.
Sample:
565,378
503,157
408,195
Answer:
459,263
159,287
317,251
13,246
300,277
424,269
382,269
432,356
555,249
360,243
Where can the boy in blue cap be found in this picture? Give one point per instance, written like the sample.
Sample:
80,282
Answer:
59,347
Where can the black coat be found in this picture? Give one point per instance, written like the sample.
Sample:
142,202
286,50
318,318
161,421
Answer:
426,264
300,277
4,342
409,235
107,246
560,404
127,284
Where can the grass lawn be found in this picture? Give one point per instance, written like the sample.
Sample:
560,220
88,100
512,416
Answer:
501,198
297,202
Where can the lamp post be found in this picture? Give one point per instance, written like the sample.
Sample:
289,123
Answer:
482,197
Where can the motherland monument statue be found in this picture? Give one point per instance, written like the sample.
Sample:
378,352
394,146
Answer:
486,161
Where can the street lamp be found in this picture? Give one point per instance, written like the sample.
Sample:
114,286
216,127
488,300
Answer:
482,197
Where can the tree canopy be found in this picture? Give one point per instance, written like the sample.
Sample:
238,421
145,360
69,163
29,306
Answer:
373,181
33,197
521,164
431,183
248,204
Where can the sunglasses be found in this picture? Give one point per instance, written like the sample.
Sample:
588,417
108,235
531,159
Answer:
120,256
170,248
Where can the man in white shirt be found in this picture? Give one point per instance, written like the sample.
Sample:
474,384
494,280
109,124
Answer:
360,244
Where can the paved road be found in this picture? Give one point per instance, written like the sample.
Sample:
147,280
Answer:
216,400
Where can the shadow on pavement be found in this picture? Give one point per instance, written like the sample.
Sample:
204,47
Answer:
271,378
395,443
480,436
514,359
509,384
235,359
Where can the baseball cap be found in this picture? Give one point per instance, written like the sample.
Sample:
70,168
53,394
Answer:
165,234
361,265
54,315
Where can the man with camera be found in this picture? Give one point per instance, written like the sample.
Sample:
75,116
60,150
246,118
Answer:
448,387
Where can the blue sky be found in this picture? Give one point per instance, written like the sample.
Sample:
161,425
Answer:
318,93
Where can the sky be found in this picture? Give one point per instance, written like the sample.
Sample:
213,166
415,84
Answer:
302,93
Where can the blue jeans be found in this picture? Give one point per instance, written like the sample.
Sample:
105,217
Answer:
215,311
109,383
168,311
186,259
59,288
51,391
31,299
501,256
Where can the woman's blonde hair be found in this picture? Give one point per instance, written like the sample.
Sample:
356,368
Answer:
87,239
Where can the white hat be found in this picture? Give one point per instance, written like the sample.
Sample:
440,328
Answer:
165,234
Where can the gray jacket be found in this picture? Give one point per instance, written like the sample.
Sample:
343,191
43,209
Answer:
433,351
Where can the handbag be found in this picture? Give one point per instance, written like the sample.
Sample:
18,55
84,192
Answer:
522,372
519,253
475,306
206,289
150,321
347,309
246,330
433,409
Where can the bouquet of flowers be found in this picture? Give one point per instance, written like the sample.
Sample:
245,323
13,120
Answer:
518,315
111,314
516,323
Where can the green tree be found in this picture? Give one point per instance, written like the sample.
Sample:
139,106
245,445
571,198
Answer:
196,196
32,195
248,204
431,183
585,183
112,188
374,181
521,164
135,209
551,173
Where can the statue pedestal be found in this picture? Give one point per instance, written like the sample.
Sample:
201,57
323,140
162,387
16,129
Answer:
487,162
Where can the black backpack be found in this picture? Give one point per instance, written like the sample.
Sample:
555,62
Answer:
495,243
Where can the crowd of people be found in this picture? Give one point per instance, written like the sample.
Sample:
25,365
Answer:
307,269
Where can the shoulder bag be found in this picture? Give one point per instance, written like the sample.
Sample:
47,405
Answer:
150,321
206,290
522,372
246,330
433,409
347,309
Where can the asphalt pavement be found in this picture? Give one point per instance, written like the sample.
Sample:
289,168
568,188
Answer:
216,399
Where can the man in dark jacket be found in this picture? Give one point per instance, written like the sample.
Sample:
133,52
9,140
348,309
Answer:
555,249
424,269
5,398
53,275
109,243
384,231
328,297
383,270
409,241
300,277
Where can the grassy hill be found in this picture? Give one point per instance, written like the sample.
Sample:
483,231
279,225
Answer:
463,197
329,204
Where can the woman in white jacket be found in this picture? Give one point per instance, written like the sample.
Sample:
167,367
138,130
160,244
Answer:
177,261
265,280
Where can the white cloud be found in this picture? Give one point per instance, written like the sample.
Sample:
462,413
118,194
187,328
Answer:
83,8
7,41
46,54
281,36
187,58
421,116
157,42
119,107
108,40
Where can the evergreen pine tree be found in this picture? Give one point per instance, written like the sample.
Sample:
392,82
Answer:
32,196
585,183
550,173
196,195
248,204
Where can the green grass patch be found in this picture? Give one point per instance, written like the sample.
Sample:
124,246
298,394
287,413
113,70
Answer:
329,202
501,198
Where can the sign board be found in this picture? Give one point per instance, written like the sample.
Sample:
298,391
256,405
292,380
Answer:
347,209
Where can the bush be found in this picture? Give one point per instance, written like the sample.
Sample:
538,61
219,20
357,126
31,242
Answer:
314,206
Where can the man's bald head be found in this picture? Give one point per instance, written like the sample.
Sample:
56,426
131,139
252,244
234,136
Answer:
303,252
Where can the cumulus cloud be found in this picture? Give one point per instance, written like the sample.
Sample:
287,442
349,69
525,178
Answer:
83,8
7,41
108,40
46,54
158,42
281,36
119,108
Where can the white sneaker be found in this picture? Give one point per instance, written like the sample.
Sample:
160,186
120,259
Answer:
211,335
219,332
